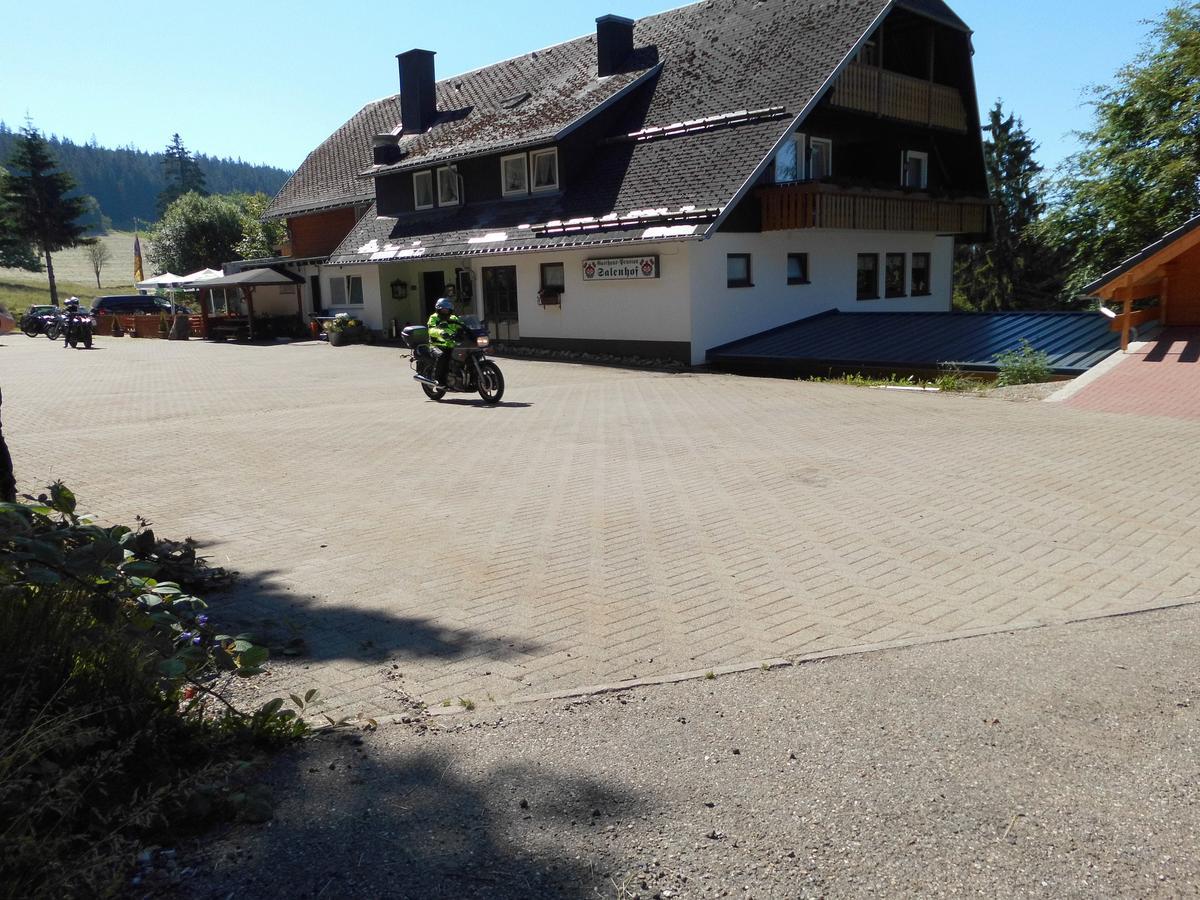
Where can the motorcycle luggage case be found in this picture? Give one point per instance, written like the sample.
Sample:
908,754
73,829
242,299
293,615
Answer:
415,335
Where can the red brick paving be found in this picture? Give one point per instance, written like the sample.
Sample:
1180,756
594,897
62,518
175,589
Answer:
1161,378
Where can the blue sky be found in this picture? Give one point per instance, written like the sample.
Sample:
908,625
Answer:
267,80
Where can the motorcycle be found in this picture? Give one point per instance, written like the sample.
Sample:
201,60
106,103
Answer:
76,328
470,370
37,319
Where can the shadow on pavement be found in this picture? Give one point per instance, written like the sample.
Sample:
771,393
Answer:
311,630
353,824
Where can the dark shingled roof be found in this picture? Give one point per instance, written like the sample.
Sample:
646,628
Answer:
717,57
328,176
1161,244
481,112
924,341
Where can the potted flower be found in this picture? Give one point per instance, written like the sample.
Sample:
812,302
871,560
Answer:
344,329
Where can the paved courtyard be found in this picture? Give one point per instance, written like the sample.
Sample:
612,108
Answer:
602,524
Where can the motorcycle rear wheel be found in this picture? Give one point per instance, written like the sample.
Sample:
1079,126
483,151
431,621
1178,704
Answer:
54,331
87,338
433,393
31,329
491,382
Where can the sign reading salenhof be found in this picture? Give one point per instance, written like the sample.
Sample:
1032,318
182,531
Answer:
618,268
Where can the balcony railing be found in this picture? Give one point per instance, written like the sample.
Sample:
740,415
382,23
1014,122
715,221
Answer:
819,205
880,92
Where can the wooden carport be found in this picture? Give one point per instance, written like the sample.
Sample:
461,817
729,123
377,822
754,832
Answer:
1166,275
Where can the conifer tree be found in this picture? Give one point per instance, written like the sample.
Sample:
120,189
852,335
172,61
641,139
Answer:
182,173
1016,270
43,210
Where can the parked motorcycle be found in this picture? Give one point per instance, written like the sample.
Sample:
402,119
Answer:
37,318
470,370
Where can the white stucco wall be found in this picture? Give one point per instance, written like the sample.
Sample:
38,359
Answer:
272,300
650,309
371,310
721,314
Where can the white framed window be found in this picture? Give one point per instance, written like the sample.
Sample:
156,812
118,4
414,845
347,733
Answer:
737,270
797,268
914,170
514,175
354,290
423,190
820,158
789,160
448,193
544,164
337,291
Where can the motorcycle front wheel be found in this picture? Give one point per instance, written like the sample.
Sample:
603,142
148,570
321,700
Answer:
31,329
491,382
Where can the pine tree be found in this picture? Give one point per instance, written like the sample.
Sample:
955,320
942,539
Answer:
1016,270
43,212
15,250
182,173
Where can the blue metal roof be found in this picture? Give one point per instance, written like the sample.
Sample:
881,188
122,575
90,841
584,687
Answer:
1075,341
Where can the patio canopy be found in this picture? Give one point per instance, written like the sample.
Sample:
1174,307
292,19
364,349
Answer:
199,278
250,278
166,279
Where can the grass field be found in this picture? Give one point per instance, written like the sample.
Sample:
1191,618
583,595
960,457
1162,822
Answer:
74,276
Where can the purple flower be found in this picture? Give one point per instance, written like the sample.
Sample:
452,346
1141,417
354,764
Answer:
202,620
197,640
186,636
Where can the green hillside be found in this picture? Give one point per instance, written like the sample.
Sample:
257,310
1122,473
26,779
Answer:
126,181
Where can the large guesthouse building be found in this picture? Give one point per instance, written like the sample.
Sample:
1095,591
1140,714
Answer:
658,187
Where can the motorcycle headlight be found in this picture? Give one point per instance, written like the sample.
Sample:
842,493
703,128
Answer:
482,341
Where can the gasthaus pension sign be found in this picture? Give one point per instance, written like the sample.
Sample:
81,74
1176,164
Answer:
618,268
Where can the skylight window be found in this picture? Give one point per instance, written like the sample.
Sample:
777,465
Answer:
515,100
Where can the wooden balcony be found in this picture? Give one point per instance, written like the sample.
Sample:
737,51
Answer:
818,205
892,95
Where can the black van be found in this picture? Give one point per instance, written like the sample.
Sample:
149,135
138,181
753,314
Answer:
130,303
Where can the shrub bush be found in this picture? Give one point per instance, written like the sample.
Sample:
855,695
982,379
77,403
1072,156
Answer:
112,725
1024,365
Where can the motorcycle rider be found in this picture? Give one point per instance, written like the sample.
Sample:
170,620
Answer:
445,329
71,306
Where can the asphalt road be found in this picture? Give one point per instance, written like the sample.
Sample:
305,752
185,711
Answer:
1053,762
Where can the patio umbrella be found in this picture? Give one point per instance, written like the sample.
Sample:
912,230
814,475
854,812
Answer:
165,280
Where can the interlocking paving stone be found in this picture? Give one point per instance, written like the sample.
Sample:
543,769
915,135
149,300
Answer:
606,523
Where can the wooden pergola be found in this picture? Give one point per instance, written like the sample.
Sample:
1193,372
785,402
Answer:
246,281
1166,274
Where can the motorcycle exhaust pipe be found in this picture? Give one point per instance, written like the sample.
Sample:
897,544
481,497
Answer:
424,380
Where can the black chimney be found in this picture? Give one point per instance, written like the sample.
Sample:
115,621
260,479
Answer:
418,91
614,43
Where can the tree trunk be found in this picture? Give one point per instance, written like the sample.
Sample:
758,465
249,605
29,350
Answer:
50,274
8,483
98,279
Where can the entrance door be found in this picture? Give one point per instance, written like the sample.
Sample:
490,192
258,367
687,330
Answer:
314,291
433,287
500,302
